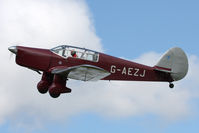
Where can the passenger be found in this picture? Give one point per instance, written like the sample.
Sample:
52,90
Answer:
73,54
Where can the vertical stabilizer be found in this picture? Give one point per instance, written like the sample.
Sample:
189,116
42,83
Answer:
175,62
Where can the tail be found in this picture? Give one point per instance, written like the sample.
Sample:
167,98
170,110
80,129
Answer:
174,62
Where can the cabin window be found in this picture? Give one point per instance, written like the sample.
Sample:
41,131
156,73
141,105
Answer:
59,51
85,54
90,57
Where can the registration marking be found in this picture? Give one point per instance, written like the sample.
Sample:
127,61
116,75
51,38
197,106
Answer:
136,72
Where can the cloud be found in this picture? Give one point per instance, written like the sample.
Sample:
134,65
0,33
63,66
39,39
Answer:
48,23
38,23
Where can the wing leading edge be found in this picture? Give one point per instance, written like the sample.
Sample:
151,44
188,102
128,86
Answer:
82,72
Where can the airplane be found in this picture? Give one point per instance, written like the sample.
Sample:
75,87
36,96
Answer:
69,62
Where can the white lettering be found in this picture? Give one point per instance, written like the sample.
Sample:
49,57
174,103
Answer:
129,71
136,72
113,69
124,71
143,75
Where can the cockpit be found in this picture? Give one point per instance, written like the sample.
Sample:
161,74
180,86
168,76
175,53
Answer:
81,53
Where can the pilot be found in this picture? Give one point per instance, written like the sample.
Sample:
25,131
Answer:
74,54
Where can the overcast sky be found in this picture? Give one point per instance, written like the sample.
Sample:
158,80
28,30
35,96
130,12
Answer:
138,30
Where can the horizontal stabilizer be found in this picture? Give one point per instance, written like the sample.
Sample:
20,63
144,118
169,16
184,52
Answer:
162,69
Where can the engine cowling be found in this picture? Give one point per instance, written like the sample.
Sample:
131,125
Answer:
45,82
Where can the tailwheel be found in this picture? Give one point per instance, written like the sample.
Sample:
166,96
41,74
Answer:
54,92
171,85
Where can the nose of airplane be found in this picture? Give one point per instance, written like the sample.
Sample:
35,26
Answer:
13,49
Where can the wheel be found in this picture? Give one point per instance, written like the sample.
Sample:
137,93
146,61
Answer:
43,91
42,87
54,92
171,85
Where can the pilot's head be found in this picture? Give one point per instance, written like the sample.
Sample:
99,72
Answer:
73,52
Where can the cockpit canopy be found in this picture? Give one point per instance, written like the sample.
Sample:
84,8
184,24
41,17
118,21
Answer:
81,53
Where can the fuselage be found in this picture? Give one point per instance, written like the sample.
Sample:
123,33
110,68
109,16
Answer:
120,69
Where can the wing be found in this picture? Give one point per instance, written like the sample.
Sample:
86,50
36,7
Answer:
82,72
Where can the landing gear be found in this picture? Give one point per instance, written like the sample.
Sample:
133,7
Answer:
58,86
54,92
171,85
42,87
45,82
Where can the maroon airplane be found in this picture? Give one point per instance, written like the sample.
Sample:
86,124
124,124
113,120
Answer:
63,62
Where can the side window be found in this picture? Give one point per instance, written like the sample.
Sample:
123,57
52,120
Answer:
83,55
79,54
90,57
74,51
65,52
59,52
95,57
